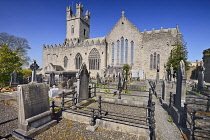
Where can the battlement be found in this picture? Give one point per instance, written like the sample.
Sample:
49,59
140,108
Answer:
71,43
79,13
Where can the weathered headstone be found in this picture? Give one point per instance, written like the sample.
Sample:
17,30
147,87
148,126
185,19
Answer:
98,80
201,77
34,67
40,78
165,73
34,115
113,79
180,86
119,82
84,83
52,79
60,77
157,74
54,92
14,79
171,72
164,90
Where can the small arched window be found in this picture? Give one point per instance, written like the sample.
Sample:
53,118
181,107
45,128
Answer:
132,51
155,61
65,62
78,61
151,61
158,59
72,29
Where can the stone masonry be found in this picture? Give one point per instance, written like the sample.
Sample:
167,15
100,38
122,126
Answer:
125,44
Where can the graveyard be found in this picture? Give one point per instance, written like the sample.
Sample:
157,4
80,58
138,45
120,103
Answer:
104,70
106,108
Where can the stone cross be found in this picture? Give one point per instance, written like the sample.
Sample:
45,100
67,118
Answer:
34,67
83,83
201,77
180,86
14,79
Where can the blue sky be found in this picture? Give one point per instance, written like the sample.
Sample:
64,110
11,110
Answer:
43,21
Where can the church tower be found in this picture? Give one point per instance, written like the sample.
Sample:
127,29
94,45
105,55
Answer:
77,25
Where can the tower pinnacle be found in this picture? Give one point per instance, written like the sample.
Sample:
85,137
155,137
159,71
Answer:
123,13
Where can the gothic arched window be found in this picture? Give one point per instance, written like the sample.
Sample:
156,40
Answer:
158,59
151,61
65,62
132,51
126,51
155,61
118,51
122,50
112,52
78,61
94,59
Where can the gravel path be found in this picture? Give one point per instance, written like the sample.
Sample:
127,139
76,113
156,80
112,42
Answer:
165,130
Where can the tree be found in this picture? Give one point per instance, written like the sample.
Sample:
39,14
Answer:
126,68
18,45
9,61
178,53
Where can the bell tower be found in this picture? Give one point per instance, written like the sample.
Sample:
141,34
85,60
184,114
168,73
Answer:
77,25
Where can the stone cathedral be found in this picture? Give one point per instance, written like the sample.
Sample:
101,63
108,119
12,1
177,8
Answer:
125,44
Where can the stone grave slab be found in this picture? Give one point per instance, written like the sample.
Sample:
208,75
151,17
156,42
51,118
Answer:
34,115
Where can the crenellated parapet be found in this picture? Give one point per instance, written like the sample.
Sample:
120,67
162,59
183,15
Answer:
161,34
79,13
72,43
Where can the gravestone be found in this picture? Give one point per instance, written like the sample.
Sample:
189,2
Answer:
157,74
165,73
180,86
171,72
83,83
164,90
54,92
98,80
113,79
14,79
34,115
34,67
201,77
60,77
119,82
52,79
40,78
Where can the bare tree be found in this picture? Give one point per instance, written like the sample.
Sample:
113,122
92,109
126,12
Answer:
18,45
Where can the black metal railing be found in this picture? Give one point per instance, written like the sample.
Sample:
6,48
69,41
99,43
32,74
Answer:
99,113
191,121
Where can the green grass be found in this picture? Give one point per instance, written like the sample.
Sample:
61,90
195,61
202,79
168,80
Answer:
170,120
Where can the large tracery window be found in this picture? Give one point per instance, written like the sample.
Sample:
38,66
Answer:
78,61
65,62
118,51
112,52
126,51
94,59
122,50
